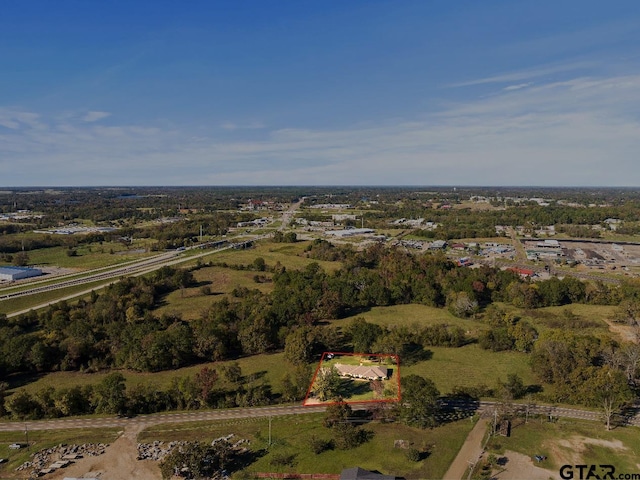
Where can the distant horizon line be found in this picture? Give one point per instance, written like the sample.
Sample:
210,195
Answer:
117,187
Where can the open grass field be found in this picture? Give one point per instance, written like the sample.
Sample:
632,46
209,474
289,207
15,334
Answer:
290,255
191,302
291,435
42,439
407,315
89,256
591,318
574,442
269,368
469,366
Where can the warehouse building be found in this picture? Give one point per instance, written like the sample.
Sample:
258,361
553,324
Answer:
11,274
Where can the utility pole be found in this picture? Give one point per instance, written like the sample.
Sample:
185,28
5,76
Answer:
269,430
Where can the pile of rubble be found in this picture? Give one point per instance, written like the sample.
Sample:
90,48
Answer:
156,450
236,446
60,456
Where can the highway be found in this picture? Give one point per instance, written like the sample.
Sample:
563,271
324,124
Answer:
112,276
145,421
158,419
155,262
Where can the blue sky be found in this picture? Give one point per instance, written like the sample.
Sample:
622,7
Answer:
328,92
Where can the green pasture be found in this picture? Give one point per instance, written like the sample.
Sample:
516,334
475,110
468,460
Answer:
43,439
552,317
413,314
470,366
191,302
290,255
291,435
89,256
270,368
570,441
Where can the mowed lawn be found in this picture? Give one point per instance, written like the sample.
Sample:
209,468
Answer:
291,436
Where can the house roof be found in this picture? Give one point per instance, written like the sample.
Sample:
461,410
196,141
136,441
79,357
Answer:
357,473
362,371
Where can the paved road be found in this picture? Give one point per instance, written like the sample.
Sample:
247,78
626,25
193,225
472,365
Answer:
547,410
113,276
159,419
275,410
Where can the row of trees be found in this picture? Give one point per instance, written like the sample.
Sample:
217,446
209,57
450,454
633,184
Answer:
209,388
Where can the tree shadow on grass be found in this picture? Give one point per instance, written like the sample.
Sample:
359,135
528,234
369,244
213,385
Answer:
457,407
252,377
414,353
246,459
18,380
351,388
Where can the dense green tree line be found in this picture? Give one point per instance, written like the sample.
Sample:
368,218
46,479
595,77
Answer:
206,389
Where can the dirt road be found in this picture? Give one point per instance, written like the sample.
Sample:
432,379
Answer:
470,452
119,462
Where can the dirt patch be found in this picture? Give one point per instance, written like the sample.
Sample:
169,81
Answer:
519,466
579,443
626,332
571,451
118,462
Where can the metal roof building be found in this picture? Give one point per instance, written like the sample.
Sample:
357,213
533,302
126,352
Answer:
11,274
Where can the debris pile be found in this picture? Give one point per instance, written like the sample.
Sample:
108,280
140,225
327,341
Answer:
50,459
156,450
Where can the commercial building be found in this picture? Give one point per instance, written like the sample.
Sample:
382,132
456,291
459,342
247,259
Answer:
350,232
11,274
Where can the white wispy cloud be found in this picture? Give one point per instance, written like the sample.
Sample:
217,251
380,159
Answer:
94,116
518,86
15,119
242,126
527,74
581,131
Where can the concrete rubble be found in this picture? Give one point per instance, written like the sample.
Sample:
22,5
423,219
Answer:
50,459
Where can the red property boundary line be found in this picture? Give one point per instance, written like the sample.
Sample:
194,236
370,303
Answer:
314,476
350,354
